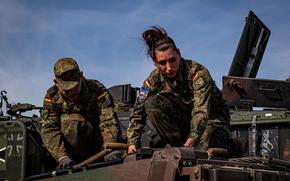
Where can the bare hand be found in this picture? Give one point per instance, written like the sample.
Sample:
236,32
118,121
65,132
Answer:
132,149
189,142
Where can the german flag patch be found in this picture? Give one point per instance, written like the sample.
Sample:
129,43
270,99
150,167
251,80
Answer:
194,75
47,99
148,83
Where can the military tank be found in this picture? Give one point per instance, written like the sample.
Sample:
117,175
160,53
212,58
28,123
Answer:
265,154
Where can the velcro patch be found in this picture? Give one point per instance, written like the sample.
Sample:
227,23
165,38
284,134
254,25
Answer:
143,93
194,75
148,83
48,99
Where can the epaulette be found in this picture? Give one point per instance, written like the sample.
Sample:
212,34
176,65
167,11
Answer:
197,75
193,67
51,94
52,90
153,79
95,85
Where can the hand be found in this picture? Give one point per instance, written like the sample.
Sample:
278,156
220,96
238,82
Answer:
132,149
64,163
189,142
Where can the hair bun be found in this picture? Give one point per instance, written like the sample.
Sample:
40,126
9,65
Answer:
153,35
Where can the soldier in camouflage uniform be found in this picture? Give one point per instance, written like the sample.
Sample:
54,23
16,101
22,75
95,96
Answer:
180,99
78,115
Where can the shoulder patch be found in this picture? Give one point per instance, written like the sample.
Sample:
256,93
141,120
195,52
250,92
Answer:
193,76
156,78
143,93
148,83
51,94
152,80
48,99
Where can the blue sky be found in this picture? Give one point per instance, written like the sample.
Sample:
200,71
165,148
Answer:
104,37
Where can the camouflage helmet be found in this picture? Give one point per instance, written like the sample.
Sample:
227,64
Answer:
67,73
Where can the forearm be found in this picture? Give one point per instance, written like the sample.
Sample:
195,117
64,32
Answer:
109,126
198,124
53,142
134,131
202,100
137,123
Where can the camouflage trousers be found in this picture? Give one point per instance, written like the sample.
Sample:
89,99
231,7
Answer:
172,123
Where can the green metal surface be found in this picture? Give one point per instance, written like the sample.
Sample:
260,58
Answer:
263,117
13,141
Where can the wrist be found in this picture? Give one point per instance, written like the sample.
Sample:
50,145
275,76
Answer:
133,143
193,135
63,157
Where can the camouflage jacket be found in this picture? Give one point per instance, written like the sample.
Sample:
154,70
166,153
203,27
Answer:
94,112
193,88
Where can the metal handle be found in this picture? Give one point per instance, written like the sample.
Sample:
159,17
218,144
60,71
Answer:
268,89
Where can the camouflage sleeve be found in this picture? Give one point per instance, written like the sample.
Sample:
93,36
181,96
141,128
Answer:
137,118
50,130
137,123
109,124
202,88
